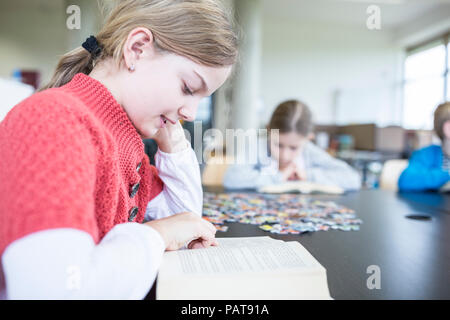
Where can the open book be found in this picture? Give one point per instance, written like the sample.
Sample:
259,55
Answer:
253,268
301,187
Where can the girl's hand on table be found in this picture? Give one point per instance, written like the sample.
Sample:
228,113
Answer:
185,228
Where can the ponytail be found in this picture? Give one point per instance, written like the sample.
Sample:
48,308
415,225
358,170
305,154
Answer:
76,61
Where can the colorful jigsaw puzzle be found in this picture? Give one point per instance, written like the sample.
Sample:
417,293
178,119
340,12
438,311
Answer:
281,214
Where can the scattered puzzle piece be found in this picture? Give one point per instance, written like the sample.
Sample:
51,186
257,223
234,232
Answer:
281,214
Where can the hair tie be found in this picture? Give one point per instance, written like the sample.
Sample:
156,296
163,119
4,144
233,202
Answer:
92,46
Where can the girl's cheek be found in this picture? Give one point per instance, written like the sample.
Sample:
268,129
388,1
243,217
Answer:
169,105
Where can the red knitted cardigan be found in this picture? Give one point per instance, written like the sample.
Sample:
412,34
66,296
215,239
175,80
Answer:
71,158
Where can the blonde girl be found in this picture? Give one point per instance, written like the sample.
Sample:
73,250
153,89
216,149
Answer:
75,183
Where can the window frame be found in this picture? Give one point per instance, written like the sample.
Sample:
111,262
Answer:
442,39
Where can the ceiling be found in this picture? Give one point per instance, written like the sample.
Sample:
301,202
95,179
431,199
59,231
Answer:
394,13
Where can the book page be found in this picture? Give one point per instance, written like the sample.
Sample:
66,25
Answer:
246,241
236,255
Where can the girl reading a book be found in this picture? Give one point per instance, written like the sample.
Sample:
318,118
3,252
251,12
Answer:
292,156
83,214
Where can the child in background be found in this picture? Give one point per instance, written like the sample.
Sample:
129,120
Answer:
75,184
429,168
293,157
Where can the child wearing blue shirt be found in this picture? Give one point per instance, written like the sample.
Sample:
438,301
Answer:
429,168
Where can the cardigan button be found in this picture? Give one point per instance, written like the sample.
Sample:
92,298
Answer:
133,213
138,166
134,190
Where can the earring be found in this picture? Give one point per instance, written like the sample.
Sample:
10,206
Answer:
131,68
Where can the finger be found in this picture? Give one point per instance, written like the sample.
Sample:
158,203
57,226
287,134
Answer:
198,245
208,236
195,244
206,243
209,226
209,242
205,234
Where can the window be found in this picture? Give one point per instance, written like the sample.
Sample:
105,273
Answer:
447,71
425,83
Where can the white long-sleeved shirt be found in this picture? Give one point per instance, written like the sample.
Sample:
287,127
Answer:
66,263
13,92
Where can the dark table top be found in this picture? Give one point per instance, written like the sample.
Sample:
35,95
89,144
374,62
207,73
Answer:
434,200
413,255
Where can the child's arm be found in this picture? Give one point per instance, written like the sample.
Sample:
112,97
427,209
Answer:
324,169
179,170
421,174
47,214
66,264
182,191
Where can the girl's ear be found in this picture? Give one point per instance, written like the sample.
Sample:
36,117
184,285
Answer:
139,44
311,136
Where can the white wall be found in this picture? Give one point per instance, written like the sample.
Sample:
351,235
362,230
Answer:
432,24
33,33
90,22
344,73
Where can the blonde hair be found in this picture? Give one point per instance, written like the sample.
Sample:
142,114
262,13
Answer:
441,116
292,116
201,30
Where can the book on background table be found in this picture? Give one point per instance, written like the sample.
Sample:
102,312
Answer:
254,268
301,187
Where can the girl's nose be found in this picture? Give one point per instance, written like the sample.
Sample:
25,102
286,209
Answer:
188,113
184,114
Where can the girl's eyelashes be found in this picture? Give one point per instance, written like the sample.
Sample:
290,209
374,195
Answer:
186,90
